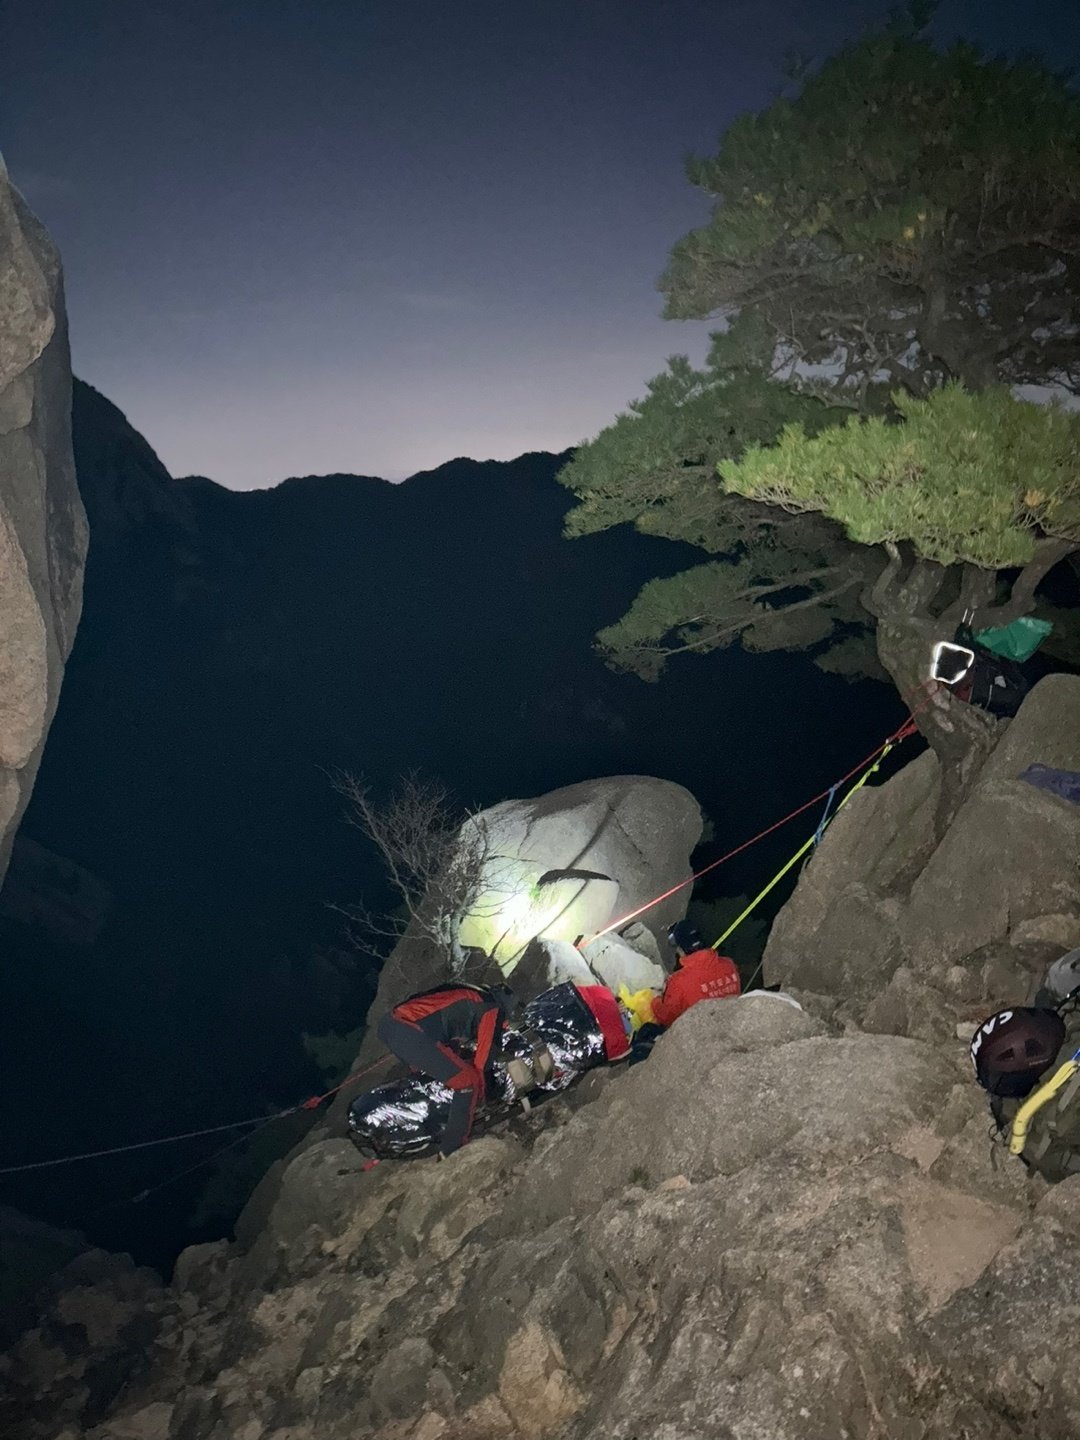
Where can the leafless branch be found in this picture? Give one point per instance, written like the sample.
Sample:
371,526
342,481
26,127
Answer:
441,861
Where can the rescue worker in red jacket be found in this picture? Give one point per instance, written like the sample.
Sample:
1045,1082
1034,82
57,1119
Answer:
702,975
450,1033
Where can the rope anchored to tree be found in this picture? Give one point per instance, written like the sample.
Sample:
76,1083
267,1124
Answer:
868,765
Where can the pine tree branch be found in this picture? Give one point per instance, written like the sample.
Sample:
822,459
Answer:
878,598
736,626
1021,601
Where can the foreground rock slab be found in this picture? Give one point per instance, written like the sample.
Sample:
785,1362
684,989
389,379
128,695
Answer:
766,1230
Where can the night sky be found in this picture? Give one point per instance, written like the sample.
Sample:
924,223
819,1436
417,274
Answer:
307,236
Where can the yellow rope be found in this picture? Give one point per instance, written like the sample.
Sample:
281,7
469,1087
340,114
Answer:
863,778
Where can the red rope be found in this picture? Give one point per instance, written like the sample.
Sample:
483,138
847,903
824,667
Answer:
908,728
224,1150
310,1104
314,1101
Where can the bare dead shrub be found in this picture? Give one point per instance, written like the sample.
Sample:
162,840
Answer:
440,859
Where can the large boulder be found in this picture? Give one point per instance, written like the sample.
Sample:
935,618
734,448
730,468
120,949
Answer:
736,1081
631,833
562,866
42,523
839,933
1013,851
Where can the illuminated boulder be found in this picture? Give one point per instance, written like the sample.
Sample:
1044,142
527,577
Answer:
566,865
601,849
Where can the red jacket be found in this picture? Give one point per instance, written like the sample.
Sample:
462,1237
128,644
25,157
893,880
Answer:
702,975
452,1014
605,1011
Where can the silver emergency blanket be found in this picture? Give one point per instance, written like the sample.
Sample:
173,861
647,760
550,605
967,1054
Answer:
407,1117
568,1028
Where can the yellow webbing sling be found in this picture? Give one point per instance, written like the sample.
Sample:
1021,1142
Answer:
1033,1104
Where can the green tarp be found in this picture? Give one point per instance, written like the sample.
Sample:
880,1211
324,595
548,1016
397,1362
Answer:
1017,641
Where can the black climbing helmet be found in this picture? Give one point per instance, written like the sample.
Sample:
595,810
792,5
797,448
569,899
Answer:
1014,1048
684,937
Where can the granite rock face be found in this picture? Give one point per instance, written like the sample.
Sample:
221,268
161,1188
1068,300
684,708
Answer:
913,934
43,533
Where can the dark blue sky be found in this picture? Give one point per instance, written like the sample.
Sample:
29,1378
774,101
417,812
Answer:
370,235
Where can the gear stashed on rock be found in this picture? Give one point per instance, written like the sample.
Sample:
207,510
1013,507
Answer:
43,533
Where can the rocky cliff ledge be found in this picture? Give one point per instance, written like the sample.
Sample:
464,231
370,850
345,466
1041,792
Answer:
786,1224
768,1230
42,524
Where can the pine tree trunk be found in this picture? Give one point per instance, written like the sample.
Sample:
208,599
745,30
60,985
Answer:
960,735
905,599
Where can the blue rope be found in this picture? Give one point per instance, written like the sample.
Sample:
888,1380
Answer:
825,814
